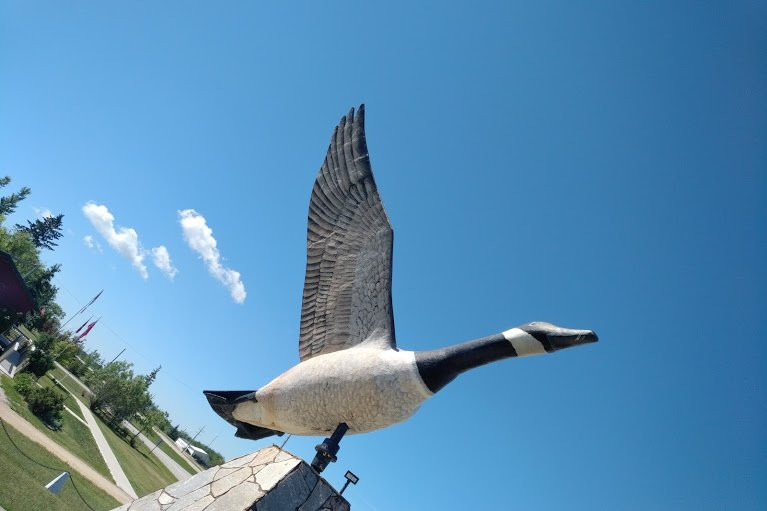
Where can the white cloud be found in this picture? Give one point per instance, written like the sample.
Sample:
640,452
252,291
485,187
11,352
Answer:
43,212
200,238
124,239
91,243
161,259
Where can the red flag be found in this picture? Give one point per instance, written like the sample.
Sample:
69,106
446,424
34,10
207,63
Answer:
83,325
88,329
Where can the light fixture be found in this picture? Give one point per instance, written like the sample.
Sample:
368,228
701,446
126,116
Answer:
350,478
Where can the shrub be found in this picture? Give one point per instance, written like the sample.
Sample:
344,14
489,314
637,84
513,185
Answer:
24,383
46,403
40,362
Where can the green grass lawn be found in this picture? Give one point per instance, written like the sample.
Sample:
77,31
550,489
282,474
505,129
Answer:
73,435
69,402
24,479
170,451
73,387
145,472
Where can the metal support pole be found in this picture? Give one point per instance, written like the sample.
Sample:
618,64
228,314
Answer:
327,450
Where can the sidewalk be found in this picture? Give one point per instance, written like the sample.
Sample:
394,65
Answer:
192,462
166,460
28,430
175,469
106,452
74,379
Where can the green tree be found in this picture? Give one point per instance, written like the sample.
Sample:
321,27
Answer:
40,283
9,318
150,378
46,403
46,319
24,383
149,418
40,362
9,203
118,391
64,352
93,359
19,245
45,341
44,231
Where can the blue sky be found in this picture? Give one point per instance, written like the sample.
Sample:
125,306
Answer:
599,165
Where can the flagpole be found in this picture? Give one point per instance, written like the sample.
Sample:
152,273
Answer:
87,330
84,324
78,312
67,321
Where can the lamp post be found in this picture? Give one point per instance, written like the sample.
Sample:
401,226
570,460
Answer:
350,478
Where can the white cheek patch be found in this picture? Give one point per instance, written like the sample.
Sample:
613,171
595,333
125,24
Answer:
524,344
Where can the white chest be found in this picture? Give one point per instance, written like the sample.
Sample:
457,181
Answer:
367,388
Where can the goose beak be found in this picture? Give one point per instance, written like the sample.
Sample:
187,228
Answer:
566,337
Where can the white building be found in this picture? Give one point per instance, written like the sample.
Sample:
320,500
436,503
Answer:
195,452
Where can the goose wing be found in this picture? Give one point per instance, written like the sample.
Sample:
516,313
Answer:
347,291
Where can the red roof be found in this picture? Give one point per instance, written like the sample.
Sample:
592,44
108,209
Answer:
14,293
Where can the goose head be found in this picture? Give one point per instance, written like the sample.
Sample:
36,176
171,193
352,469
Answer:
555,337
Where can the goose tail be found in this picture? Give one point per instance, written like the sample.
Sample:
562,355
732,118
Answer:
224,402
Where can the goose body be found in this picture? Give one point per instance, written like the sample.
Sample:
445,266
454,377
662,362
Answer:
351,370
369,387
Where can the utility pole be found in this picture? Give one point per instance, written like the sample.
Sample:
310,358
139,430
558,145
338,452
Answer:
118,356
159,441
195,436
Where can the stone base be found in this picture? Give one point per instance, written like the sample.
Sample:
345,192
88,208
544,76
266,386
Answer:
267,480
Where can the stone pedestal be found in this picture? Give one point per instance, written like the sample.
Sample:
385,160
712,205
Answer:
267,480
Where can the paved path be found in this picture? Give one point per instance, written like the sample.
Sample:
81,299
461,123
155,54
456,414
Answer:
192,462
28,430
98,436
106,452
75,379
74,415
176,469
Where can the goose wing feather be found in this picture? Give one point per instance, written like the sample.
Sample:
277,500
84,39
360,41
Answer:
347,290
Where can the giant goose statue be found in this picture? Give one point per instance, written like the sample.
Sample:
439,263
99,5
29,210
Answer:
352,376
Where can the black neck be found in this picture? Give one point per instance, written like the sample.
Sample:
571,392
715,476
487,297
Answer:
439,367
